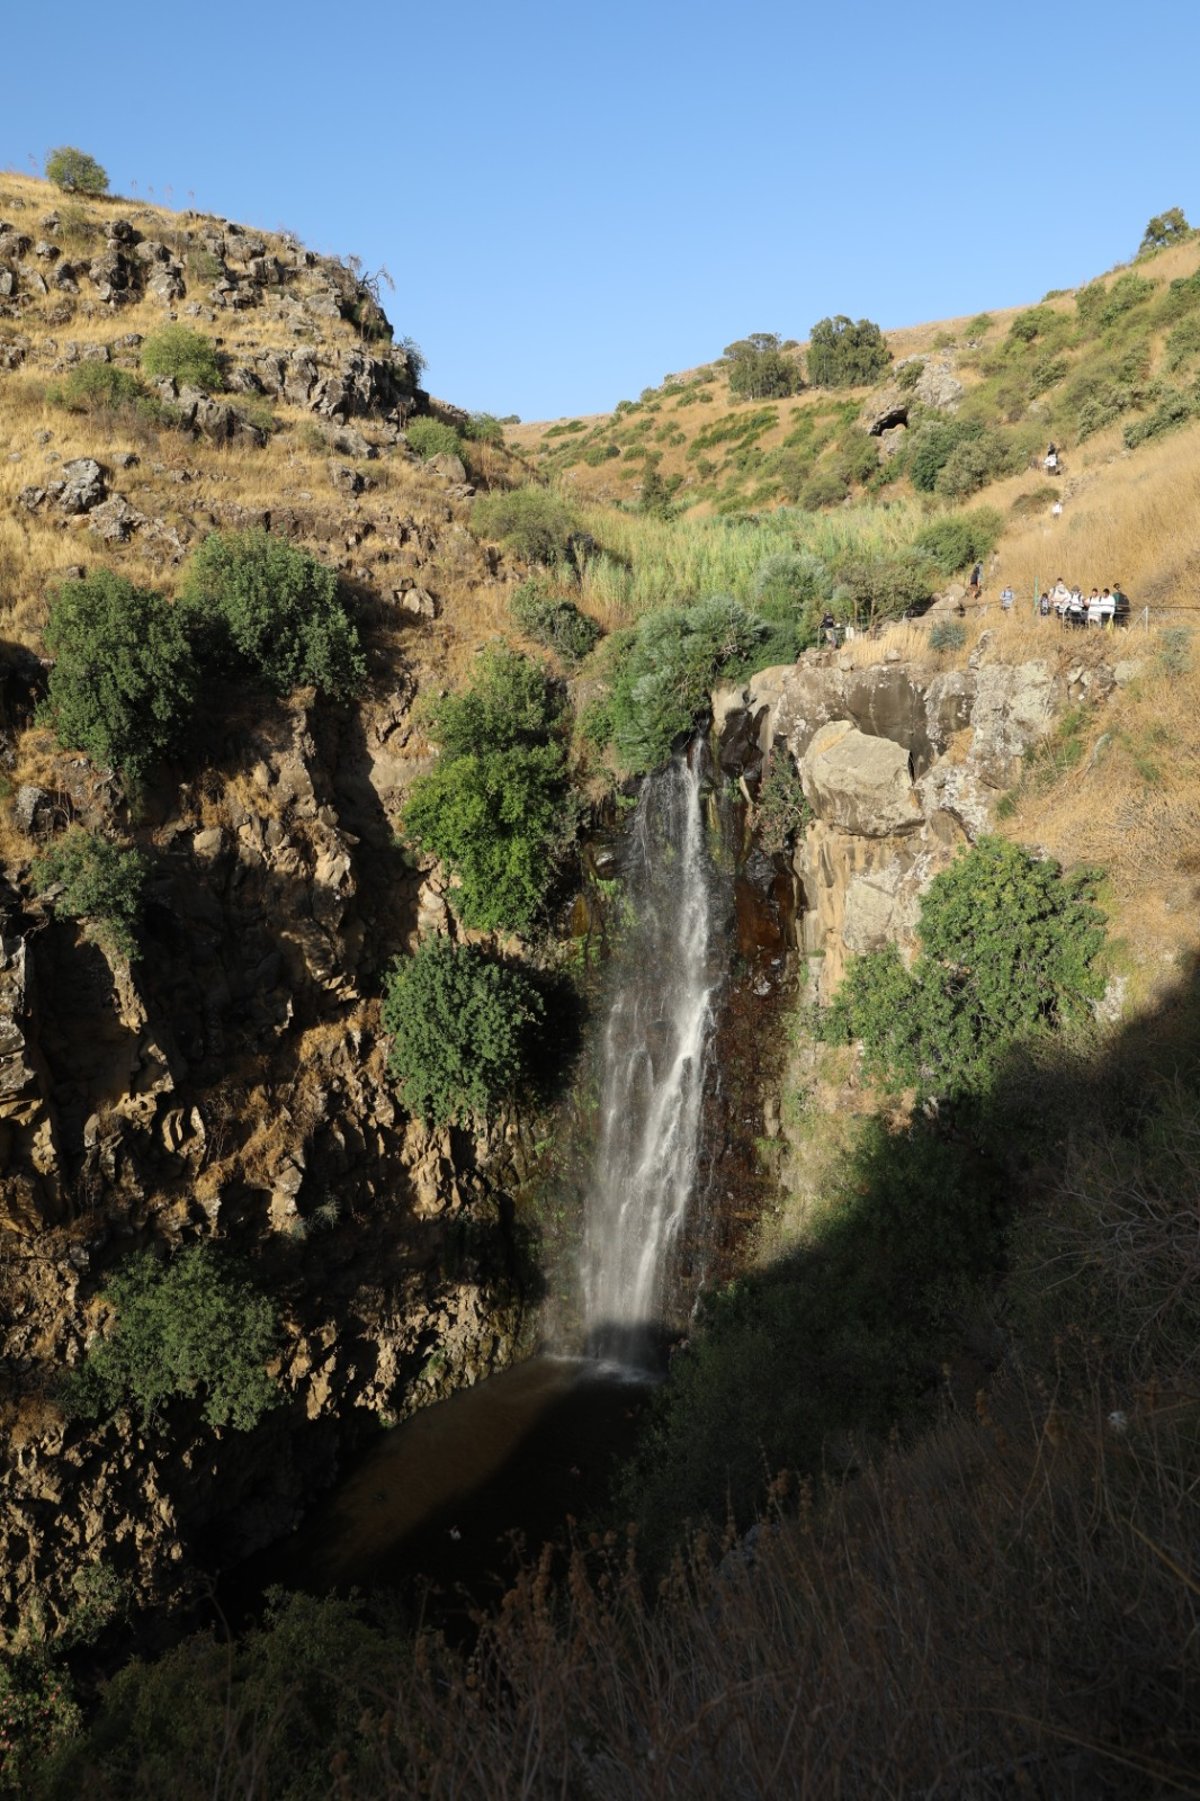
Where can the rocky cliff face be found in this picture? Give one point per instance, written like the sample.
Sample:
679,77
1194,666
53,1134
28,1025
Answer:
900,763
231,1082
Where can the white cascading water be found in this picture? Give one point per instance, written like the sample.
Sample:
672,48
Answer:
652,1069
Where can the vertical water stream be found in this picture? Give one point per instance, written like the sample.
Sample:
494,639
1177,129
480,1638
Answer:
653,1061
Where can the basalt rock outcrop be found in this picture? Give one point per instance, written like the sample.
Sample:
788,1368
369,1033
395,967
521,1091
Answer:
900,764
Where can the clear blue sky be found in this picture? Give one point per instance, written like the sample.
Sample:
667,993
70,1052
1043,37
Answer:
575,199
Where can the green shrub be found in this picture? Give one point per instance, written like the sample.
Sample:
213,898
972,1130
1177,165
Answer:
789,584
884,586
971,464
124,681
908,375
1046,371
981,323
1175,650
1099,306
531,521
94,387
553,620
958,539
254,599
1173,410
100,880
191,1327
596,454
184,355
1008,949
843,354
430,438
665,669
947,634
74,170
484,428
460,1026
1183,343
826,487
494,808
1035,321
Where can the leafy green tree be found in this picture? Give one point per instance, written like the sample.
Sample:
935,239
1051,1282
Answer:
100,881
1008,950
461,1026
191,1327
1163,229
494,807
255,599
75,171
186,356
845,354
124,681
530,520
760,369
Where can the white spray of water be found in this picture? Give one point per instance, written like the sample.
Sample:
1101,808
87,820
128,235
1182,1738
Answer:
652,1072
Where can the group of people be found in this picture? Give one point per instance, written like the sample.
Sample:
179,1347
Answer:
1108,607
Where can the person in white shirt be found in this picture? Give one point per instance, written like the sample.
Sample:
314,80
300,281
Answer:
1108,607
1006,599
1093,607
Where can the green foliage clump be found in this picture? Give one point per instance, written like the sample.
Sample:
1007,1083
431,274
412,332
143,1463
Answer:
75,171
791,585
39,1716
287,1698
95,387
955,456
460,1025
1035,321
981,323
1008,952
666,668
1183,343
255,600
494,807
947,634
124,680
531,521
826,487
1099,306
595,454
183,355
759,368
484,428
843,354
908,375
781,810
1163,229
1174,409
431,438
885,585
958,539
554,620
100,881
191,1327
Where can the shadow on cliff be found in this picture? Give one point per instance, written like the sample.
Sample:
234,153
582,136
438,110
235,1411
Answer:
947,1246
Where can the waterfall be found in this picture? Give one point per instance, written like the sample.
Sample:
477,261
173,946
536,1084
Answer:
653,1059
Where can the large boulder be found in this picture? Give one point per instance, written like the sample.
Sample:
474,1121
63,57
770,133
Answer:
860,784
83,485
